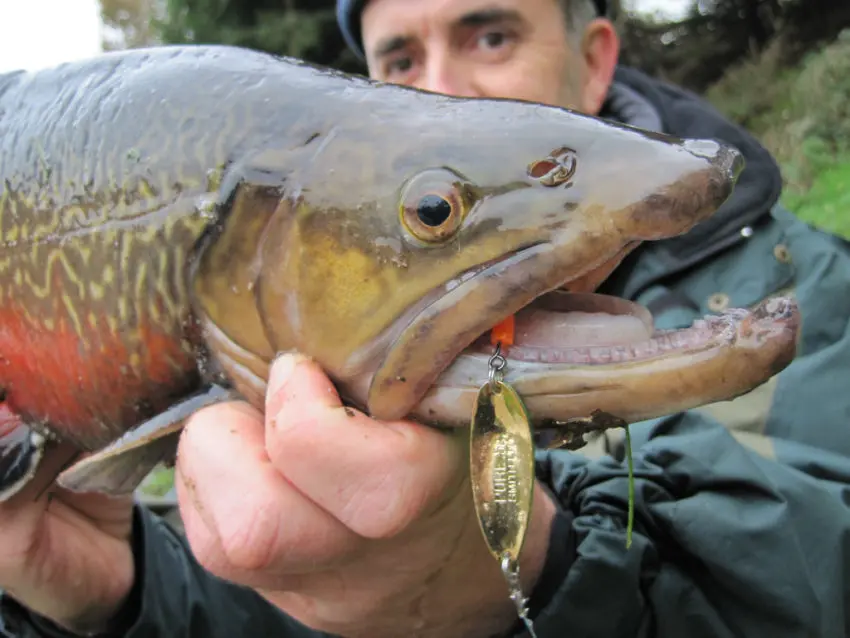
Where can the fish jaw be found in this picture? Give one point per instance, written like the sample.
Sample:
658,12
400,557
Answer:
716,359
560,246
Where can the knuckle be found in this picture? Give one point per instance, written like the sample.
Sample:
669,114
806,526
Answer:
390,499
250,536
372,511
283,439
416,477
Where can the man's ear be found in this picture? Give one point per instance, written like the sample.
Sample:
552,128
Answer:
600,48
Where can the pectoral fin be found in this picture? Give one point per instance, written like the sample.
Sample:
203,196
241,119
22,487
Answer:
119,469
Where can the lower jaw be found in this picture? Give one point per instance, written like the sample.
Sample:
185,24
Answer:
580,383
716,359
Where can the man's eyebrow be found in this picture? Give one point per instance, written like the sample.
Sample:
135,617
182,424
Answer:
481,17
391,45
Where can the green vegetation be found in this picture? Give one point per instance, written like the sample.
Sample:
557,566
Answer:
802,115
304,29
158,483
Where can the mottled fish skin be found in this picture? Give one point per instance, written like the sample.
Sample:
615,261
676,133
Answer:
111,171
171,218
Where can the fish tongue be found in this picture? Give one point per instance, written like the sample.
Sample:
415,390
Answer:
573,320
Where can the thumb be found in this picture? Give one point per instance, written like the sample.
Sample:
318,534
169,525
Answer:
294,374
376,477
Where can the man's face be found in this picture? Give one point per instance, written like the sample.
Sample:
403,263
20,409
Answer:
517,49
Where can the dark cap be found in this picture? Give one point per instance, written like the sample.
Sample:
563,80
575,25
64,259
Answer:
348,18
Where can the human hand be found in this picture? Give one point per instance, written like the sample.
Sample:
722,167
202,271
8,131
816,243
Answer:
65,556
350,525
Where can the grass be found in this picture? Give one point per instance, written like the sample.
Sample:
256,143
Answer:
826,204
802,115
158,483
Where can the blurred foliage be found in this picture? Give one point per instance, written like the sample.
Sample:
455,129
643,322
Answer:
802,115
158,483
716,34
300,28
129,23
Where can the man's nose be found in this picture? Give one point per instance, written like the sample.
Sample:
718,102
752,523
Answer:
446,75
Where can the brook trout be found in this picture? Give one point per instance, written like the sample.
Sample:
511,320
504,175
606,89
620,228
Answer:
172,218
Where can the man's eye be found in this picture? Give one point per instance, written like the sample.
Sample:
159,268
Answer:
492,39
400,65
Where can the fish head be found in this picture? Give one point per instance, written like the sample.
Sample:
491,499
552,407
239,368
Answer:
418,221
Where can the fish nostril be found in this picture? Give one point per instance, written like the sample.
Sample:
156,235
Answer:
541,168
556,169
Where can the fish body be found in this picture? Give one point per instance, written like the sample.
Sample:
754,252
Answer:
172,218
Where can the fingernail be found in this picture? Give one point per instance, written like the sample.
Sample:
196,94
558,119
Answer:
281,372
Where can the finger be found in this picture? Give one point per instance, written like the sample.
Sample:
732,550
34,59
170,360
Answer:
21,514
26,508
245,522
46,535
375,477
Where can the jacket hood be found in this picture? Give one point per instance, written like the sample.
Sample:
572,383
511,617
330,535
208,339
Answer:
639,100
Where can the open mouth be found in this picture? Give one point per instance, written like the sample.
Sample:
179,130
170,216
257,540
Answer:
562,327
574,355
568,345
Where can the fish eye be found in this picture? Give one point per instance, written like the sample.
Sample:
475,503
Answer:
433,206
434,210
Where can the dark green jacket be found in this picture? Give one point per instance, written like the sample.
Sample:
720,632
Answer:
743,508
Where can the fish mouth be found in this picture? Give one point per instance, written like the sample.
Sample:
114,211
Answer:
572,353
453,316
564,327
577,354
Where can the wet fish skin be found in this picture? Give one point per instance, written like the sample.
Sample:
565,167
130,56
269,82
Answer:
171,218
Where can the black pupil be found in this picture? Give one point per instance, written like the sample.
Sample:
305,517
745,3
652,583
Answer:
433,210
